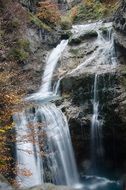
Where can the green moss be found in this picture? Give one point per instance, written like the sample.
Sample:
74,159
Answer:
74,41
88,34
66,34
38,22
74,51
18,54
24,44
20,50
15,23
1,33
78,39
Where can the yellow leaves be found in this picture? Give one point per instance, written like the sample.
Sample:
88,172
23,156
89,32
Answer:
2,131
89,3
12,98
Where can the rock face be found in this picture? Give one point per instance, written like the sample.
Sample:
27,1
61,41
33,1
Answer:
79,63
50,186
4,185
120,24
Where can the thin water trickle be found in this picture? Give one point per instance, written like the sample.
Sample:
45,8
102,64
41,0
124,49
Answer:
96,131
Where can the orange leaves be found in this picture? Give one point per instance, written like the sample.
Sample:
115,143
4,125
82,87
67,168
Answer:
48,12
24,172
74,12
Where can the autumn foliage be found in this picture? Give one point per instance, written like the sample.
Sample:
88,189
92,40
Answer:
48,12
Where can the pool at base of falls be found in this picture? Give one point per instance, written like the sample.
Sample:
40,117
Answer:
93,182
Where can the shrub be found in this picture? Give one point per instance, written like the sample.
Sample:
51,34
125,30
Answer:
24,44
15,23
66,23
18,54
48,12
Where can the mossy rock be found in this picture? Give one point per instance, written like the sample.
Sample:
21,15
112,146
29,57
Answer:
66,34
74,41
89,34
78,39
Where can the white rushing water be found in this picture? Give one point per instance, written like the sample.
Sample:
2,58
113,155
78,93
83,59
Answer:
59,152
45,91
60,156
29,163
96,128
103,58
49,120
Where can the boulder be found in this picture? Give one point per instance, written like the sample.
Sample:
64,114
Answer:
4,185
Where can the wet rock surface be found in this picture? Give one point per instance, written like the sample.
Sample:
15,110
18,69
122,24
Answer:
4,185
120,24
77,98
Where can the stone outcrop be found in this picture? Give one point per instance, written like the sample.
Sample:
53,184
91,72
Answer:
77,96
4,185
119,24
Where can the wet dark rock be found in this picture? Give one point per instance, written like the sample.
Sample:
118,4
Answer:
77,39
120,19
49,186
77,98
119,24
4,185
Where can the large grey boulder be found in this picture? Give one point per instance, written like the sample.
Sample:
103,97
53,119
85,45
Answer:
4,185
119,24
49,186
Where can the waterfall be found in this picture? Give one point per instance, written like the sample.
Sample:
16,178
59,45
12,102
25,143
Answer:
103,60
60,157
107,56
48,120
45,91
29,163
96,131
104,56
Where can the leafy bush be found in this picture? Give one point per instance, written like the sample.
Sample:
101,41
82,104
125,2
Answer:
95,9
35,20
24,44
15,23
66,23
48,12
18,54
20,50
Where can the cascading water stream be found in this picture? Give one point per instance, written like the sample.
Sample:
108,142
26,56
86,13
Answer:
45,91
102,61
60,157
50,120
105,51
96,131
107,57
29,163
